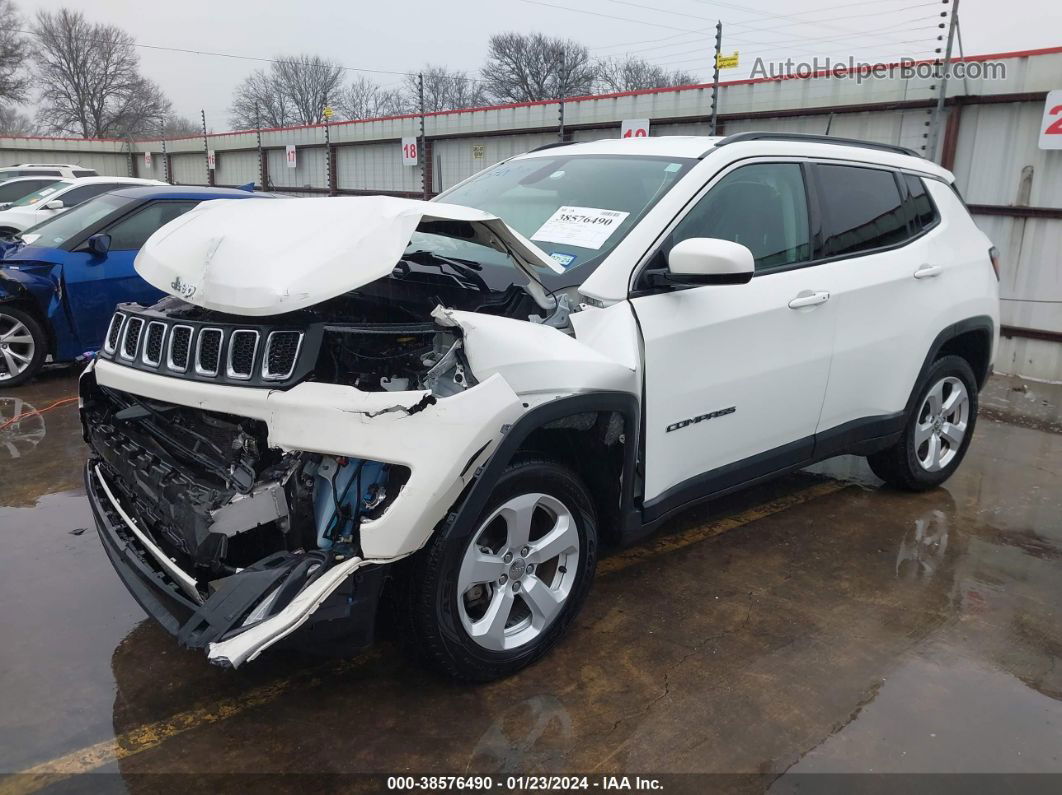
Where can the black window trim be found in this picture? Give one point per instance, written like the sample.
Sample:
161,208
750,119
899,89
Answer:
814,212
811,192
896,172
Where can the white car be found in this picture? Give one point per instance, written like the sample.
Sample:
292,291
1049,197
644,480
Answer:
12,190
349,395
52,199
57,170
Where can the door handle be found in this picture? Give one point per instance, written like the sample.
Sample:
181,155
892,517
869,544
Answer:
927,271
808,298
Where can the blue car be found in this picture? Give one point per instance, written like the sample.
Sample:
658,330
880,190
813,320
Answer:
60,282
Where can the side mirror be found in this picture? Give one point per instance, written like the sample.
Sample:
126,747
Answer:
99,244
707,260
54,204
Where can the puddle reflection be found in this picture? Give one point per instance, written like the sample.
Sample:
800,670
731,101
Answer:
22,427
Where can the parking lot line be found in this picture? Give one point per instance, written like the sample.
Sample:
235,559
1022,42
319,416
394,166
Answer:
144,738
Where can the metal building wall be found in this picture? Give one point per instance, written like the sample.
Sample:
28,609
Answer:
236,168
989,139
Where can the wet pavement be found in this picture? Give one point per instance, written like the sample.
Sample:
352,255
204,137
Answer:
818,624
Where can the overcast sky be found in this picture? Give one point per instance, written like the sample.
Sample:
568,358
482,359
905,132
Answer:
403,35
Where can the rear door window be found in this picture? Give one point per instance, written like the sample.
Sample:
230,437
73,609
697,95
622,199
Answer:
862,209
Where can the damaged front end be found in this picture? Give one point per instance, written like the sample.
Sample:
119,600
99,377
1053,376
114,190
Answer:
215,532
261,457
252,478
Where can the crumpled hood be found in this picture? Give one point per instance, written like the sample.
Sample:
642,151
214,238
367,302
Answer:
265,258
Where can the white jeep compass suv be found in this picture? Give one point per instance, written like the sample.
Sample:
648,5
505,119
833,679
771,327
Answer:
452,403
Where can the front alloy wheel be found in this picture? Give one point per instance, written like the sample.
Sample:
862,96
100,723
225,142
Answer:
486,602
518,571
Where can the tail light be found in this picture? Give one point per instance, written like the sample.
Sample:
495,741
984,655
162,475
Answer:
993,254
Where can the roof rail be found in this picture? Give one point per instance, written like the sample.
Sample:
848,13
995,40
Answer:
550,146
810,138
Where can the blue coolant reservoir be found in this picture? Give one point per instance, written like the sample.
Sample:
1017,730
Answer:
373,482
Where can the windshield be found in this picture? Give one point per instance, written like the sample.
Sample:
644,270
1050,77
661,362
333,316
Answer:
57,230
576,208
42,194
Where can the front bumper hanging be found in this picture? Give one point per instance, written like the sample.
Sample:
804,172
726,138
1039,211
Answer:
246,612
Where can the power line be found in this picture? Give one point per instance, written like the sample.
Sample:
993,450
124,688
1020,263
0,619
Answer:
655,24
730,22
740,34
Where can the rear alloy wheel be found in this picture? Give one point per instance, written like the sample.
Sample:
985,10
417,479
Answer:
484,604
22,347
942,423
937,432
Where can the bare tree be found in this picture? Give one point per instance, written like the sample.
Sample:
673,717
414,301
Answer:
444,90
90,79
308,81
364,99
632,73
14,123
13,52
294,90
527,67
180,126
259,100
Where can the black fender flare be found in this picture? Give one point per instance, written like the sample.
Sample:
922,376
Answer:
622,403
980,323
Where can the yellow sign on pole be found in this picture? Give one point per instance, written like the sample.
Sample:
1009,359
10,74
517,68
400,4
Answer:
328,113
727,61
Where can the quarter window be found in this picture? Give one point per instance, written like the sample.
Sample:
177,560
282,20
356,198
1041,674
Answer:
920,207
762,206
861,208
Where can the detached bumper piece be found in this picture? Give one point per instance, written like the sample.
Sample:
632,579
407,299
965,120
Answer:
267,601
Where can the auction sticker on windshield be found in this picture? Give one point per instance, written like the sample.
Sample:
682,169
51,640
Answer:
586,227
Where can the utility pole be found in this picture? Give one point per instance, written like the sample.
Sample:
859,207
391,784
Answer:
420,143
938,113
165,160
206,150
560,117
258,140
328,154
715,75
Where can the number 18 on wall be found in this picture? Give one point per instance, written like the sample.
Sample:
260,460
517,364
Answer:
409,152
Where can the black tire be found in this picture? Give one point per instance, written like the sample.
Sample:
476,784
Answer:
428,593
40,346
899,466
